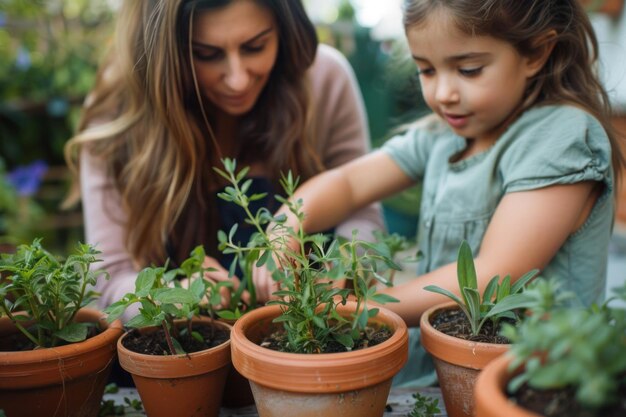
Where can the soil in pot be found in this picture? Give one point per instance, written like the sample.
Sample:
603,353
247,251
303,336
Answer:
373,336
562,403
454,323
155,343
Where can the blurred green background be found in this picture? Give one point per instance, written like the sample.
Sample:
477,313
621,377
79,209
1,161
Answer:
50,53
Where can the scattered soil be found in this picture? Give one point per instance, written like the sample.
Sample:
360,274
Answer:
155,343
454,323
562,403
372,336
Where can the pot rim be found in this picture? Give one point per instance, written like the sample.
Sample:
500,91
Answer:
169,366
51,366
489,392
110,333
465,353
324,372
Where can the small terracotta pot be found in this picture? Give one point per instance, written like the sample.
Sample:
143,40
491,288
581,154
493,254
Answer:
457,362
490,392
182,385
345,384
63,381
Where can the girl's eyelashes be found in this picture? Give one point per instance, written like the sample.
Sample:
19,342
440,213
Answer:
469,72
424,71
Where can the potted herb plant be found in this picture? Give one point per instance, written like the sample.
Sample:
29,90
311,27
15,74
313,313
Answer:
55,353
284,348
178,359
463,337
564,361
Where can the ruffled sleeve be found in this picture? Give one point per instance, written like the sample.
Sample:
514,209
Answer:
556,145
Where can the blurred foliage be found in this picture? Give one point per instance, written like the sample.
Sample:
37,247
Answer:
19,214
51,50
50,53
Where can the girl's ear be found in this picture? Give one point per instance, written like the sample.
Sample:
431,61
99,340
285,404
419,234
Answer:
542,48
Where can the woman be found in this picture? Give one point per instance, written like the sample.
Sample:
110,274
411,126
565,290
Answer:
186,84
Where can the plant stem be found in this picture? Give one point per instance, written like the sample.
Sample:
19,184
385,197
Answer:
168,338
20,327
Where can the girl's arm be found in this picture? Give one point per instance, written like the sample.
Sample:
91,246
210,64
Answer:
526,231
332,196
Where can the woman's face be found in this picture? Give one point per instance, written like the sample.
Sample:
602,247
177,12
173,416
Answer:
234,50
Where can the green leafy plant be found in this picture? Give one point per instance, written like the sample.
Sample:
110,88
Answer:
306,266
163,299
583,349
47,291
424,406
499,300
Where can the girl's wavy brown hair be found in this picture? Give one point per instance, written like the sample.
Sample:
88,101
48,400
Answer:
569,75
146,120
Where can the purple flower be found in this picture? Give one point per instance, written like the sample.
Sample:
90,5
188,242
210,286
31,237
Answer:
27,179
22,61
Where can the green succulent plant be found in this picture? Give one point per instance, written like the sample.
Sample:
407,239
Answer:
499,300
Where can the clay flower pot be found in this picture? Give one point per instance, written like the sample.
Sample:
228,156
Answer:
490,393
355,383
63,381
181,385
457,362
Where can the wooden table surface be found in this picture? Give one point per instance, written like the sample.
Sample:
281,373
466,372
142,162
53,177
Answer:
400,403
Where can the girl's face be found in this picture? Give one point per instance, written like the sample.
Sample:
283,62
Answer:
474,83
234,50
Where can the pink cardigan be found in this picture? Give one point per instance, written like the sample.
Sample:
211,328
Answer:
341,127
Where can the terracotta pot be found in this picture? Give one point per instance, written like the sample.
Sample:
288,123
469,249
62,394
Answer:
182,385
62,381
457,362
345,384
490,395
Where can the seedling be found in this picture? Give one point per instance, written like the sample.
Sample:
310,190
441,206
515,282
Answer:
500,299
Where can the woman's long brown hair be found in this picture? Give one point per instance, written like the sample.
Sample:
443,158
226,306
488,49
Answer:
144,120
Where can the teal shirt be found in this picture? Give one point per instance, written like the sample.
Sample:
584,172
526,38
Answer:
545,146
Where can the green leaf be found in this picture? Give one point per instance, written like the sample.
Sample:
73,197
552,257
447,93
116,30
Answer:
345,340
443,291
465,267
523,280
145,282
383,298
73,332
178,347
177,295
142,321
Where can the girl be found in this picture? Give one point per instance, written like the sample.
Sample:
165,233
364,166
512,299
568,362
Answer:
518,157
189,82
